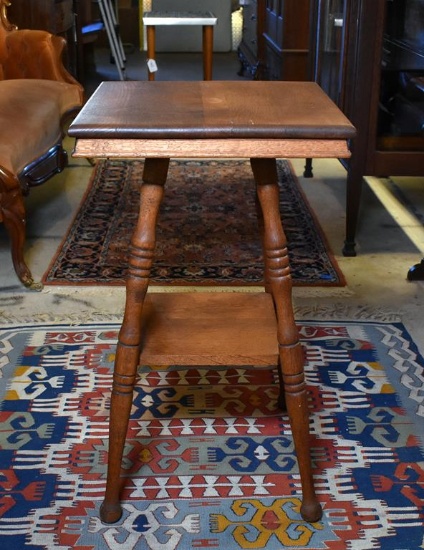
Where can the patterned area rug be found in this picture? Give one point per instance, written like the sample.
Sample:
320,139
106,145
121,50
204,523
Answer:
207,232
209,460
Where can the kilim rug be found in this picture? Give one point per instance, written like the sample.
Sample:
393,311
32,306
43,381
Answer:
209,461
207,232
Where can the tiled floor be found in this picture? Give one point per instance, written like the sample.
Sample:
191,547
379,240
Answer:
389,241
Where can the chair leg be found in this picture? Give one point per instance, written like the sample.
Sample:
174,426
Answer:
13,216
128,350
290,350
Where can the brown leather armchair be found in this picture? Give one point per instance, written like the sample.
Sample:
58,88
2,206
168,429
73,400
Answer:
37,98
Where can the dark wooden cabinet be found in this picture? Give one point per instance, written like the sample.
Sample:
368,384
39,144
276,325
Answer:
55,16
286,39
369,57
251,49
275,39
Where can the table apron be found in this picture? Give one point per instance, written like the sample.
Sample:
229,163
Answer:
211,148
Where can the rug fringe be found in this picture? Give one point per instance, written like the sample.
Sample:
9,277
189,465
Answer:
72,319
345,312
298,291
313,312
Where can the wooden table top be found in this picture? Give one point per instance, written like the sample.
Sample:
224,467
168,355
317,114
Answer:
242,110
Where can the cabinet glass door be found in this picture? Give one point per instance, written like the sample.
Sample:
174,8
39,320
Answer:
331,16
401,108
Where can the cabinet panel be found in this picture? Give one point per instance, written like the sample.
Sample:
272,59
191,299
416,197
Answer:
250,28
282,36
55,16
274,22
273,62
249,51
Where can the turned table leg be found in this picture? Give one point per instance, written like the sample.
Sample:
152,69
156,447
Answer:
128,349
277,274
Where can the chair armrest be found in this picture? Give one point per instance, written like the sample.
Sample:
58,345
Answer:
35,54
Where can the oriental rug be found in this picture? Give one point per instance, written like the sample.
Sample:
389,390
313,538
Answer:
207,232
209,460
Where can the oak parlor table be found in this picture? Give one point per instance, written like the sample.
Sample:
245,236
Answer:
258,120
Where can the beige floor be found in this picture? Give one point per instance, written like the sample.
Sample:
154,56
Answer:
390,239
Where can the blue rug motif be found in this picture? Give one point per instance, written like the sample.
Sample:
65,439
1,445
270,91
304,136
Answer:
209,459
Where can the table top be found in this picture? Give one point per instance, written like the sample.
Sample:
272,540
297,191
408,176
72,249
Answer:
179,18
249,110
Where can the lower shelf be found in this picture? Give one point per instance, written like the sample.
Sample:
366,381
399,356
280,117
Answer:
209,328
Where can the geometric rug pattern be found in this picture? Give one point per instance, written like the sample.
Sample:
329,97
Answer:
209,459
207,232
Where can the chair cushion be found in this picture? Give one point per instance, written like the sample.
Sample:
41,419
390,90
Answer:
30,118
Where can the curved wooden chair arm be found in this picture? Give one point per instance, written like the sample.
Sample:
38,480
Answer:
4,22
